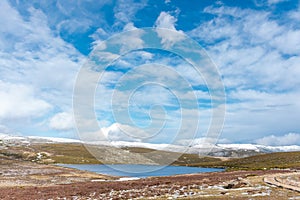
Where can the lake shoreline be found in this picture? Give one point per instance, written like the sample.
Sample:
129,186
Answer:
139,171
199,185
29,172
27,180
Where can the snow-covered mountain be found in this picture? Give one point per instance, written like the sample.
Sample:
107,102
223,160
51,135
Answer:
220,150
12,139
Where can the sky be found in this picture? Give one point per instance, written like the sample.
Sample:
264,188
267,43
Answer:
254,45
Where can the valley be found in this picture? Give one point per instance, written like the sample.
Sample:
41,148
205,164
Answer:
28,170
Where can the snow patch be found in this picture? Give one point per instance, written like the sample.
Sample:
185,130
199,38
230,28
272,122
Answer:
215,149
128,178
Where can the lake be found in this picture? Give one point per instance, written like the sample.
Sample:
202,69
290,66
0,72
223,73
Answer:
140,171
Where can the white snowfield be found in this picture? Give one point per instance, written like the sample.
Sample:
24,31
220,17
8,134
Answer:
216,149
35,139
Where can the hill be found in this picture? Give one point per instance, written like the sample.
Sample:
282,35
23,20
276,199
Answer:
76,153
258,162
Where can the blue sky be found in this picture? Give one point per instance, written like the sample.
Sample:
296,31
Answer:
254,44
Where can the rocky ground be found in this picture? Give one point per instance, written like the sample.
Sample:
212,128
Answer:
27,180
27,172
287,180
19,174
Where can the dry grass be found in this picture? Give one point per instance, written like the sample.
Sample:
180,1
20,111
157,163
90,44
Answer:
78,154
263,161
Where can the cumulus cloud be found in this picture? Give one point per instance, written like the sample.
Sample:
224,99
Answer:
122,132
284,140
62,121
165,20
20,101
131,40
168,38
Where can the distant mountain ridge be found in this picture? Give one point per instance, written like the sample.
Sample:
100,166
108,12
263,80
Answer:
217,150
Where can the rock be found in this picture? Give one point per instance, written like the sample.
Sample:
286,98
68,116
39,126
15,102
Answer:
238,183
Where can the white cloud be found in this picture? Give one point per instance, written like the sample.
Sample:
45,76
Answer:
12,24
140,100
284,140
20,101
258,57
121,132
130,39
4,130
74,26
167,31
236,33
125,10
62,121
99,36
289,42
124,14
271,2
41,66
36,55
69,16
165,20
255,114
295,14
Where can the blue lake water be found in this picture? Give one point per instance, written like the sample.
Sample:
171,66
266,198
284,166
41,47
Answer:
140,171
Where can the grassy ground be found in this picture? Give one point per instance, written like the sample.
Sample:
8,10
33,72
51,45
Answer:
257,162
166,157
51,153
67,153
63,182
77,153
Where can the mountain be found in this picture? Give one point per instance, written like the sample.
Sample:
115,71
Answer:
12,139
217,150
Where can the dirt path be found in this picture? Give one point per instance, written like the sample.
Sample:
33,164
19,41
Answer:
289,181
